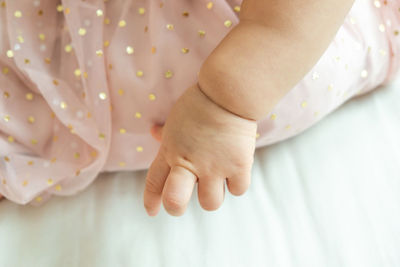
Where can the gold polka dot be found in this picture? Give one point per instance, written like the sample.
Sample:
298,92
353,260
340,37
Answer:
168,74
50,181
99,53
47,60
55,82
38,199
106,43
122,23
60,8
18,14
99,12
102,96
34,141
170,27
139,73
121,91
93,154
273,117
138,115
141,10
185,50
68,48
288,127
31,119
25,183
237,8
122,164
77,155
6,94
210,5
6,118
130,50
30,163
153,49
122,131
67,10
10,139
82,31
257,135
71,129
185,14
58,187
63,105
77,172
139,149
107,21
228,23
396,32
77,72
3,4
10,53
102,136
152,97
7,159
27,61
53,160
304,104
42,37
20,39
5,70
201,33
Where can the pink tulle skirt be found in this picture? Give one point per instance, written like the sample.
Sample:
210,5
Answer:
82,82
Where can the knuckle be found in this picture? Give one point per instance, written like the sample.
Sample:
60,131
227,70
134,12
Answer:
174,205
242,164
153,186
185,162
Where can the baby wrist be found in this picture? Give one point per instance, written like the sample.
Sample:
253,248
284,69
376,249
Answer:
226,87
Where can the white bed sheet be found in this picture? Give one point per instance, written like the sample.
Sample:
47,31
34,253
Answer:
329,197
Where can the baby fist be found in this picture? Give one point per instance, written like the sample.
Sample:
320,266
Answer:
200,142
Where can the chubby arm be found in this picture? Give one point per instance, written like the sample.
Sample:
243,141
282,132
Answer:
272,48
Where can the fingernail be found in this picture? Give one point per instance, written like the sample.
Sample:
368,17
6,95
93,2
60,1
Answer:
151,213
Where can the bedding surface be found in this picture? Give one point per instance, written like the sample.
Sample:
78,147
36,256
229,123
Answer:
328,197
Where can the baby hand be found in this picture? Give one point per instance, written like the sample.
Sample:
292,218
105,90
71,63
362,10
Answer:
200,142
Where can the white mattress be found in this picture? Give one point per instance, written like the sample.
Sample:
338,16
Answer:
329,197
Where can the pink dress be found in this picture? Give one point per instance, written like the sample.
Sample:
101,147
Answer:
82,82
